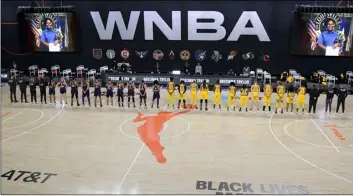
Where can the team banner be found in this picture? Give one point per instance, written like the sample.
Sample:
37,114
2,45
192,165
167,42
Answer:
164,79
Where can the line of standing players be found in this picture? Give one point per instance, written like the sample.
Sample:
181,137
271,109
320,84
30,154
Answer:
181,89
73,84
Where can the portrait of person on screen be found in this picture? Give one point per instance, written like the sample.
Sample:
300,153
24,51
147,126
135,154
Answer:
48,37
329,39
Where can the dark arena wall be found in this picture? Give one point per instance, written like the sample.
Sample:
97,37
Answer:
273,40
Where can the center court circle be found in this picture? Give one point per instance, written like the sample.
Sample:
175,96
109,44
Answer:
165,125
31,122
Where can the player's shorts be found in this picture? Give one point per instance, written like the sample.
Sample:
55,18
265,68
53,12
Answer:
182,96
279,98
97,93
301,99
203,95
62,90
109,93
244,99
156,95
130,93
289,100
51,91
217,96
255,98
267,99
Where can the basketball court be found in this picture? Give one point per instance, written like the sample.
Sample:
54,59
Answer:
54,149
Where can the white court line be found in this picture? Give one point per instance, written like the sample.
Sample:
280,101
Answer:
42,115
301,158
133,162
305,142
48,121
328,139
13,116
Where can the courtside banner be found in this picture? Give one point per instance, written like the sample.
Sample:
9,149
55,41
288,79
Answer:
186,194
164,79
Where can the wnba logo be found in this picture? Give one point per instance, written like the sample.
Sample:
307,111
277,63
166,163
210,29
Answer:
149,132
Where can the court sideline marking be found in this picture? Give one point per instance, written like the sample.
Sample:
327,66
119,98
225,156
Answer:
41,116
13,116
323,133
133,162
48,121
299,157
305,142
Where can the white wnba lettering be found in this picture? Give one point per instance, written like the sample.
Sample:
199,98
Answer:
105,32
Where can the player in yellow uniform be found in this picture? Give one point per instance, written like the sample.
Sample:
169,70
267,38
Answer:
255,93
301,98
204,94
268,90
280,97
182,93
193,94
217,95
231,96
244,99
171,89
290,99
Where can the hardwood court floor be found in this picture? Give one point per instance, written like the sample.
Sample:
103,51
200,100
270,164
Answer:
98,151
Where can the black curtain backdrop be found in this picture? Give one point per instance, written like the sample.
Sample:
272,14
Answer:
277,18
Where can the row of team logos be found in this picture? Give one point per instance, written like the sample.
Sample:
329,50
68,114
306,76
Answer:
184,55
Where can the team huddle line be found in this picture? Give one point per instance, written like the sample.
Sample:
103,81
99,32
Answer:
180,90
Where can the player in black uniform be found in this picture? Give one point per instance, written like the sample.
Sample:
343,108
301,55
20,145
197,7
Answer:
342,94
156,93
314,94
52,86
329,96
13,84
109,92
97,93
74,91
131,92
85,92
120,92
62,85
23,89
143,93
33,89
43,91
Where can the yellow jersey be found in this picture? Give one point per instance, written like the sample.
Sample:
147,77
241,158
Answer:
255,89
231,91
182,88
193,87
268,90
280,90
204,88
302,91
244,92
290,95
171,87
217,88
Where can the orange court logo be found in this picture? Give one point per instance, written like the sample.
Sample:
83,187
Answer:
149,132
